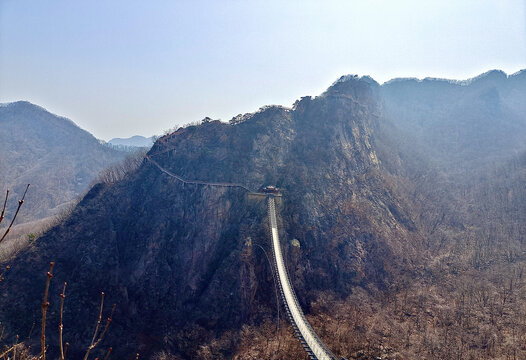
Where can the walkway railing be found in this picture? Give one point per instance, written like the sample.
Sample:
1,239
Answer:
198,182
307,336
310,341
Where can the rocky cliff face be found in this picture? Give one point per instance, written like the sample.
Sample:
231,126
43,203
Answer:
177,258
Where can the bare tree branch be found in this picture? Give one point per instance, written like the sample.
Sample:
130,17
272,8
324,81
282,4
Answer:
45,305
20,202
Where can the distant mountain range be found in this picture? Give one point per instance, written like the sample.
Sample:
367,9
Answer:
53,154
134,141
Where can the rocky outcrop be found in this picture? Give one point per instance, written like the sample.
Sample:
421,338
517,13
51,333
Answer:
175,257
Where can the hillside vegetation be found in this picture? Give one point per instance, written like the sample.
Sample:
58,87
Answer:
403,214
57,157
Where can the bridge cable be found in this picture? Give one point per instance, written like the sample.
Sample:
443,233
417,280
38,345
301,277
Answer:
276,290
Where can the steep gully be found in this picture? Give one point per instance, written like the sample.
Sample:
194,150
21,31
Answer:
307,336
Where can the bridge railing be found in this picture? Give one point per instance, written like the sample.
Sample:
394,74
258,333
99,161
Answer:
315,346
309,340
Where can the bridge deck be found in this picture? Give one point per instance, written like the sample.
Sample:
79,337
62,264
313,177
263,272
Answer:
307,336
310,341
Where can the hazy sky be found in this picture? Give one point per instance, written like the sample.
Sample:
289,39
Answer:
120,68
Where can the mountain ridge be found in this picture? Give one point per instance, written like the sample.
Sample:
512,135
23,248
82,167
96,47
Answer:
133,141
44,149
258,150
376,228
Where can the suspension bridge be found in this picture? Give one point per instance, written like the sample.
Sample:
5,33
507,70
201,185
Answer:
311,343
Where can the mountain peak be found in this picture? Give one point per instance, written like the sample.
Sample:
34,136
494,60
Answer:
133,141
353,86
50,151
37,112
353,78
20,104
488,76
